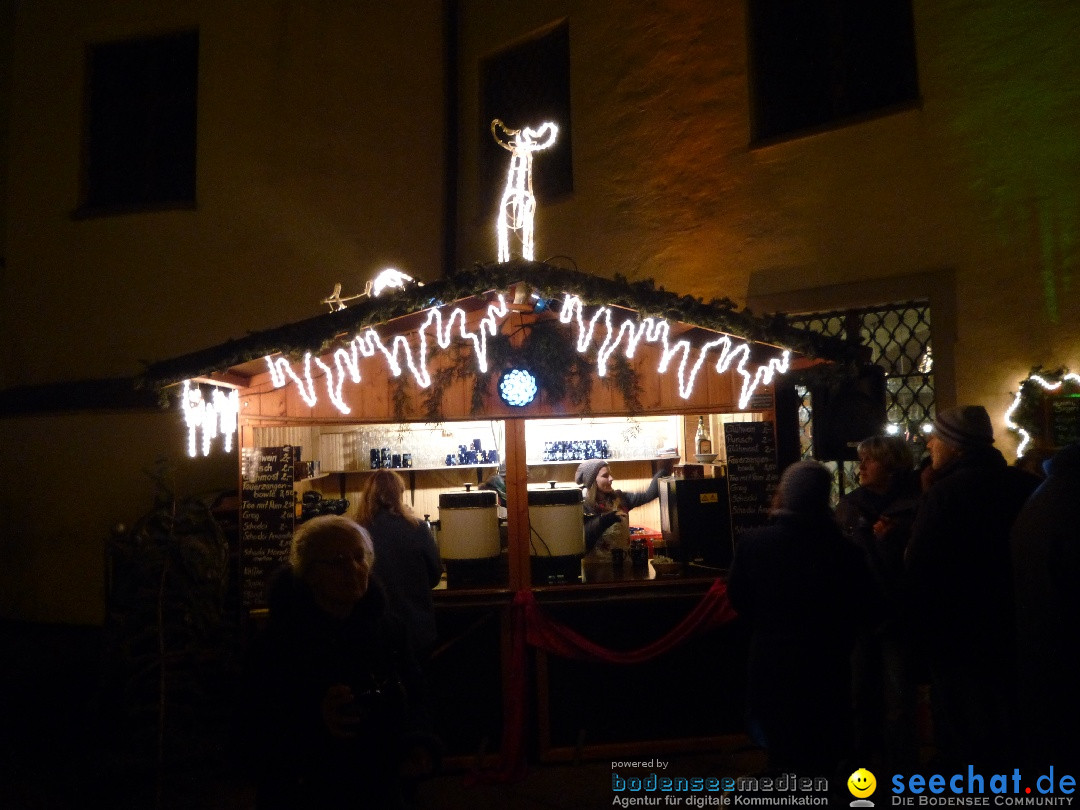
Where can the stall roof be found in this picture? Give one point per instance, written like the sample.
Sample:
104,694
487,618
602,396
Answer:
548,281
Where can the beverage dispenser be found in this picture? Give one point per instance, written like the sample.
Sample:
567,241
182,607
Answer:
556,533
469,538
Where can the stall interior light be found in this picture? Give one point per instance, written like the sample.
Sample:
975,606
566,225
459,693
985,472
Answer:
213,417
723,353
1025,437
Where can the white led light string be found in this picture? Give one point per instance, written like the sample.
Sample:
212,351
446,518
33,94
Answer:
399,353
347,359
1025,437
517,209
654,331
213,418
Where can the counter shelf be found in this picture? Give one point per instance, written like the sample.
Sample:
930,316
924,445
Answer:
575,462
364,470
409,472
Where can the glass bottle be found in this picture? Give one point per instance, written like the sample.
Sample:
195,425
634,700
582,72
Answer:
702,442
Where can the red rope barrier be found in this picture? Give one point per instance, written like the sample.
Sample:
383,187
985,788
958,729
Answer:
530,626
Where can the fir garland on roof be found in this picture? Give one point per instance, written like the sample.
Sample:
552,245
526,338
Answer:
319,333
564,375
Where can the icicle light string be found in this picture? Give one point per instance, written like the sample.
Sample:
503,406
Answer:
216,417
346,360
654,331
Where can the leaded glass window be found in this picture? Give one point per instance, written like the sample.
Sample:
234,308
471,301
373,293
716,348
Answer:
898,336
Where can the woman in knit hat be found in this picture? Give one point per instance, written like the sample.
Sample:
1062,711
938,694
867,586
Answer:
607,523
959,582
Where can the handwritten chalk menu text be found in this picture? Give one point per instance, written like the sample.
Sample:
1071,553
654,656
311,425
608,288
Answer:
1064,420
267,512
752,473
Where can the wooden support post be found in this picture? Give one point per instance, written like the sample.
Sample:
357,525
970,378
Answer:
517,500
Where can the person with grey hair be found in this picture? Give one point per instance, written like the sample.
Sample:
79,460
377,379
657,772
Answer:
805,592
960,587
335,704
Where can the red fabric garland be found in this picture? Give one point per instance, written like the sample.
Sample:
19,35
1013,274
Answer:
529,625
558,639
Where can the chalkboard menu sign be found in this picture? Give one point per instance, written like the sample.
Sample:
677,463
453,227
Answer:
752,473
267,512
1064,420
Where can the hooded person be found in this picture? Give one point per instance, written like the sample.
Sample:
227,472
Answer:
805,592
1046,566
607,522
960,586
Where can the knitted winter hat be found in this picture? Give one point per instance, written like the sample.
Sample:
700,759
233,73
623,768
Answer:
804,489
965,426
588,470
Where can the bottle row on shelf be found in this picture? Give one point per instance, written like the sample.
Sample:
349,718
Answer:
577,450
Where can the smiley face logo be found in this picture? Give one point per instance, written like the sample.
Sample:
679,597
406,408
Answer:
861,783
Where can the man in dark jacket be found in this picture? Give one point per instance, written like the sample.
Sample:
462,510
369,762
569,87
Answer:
1046,570
961,586
805,593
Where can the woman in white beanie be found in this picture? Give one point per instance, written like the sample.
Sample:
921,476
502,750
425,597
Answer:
607,509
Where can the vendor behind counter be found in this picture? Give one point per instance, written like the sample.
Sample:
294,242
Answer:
607,523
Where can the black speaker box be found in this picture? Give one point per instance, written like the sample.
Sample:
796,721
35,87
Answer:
845,411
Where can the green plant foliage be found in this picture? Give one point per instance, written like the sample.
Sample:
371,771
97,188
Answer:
563,374
168,643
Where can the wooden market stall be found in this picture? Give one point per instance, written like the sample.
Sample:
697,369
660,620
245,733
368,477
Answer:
504,378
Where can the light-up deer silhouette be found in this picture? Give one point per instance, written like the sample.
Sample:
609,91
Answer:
518,204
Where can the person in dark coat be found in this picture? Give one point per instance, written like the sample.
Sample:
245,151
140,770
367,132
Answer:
961,587
409,564
1046,572
335,707
877,518
805,592
607,510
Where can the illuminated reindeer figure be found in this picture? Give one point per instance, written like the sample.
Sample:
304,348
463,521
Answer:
518,203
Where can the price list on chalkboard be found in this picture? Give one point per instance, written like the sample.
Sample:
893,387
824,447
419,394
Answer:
1064,420
752,473
267,513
